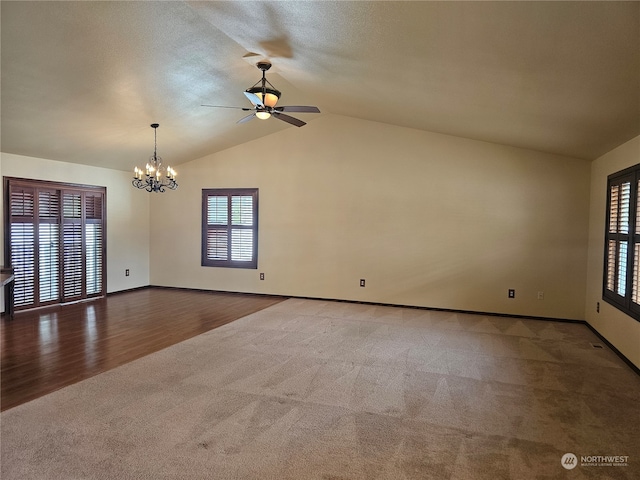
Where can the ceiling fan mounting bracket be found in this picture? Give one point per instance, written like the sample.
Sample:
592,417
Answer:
264,65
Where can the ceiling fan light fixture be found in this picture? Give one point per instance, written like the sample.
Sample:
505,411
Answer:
262,114
268,96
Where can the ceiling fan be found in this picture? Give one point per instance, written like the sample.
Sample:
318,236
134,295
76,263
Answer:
264,97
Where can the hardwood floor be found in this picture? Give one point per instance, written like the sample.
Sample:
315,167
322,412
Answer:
47,349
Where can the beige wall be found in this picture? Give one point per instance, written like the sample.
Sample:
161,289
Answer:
427,219
620,329
127,213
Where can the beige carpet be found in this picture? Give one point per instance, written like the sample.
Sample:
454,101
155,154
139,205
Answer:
327,390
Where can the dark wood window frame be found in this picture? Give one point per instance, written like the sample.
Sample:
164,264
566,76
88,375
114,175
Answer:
230,227
621,272
67,227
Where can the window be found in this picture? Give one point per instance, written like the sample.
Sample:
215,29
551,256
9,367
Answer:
230,228
56,241
621,286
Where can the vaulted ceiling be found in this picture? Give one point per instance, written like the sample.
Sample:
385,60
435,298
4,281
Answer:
82,81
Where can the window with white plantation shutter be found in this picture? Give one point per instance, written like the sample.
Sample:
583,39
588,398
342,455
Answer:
621,283
56,241
230,228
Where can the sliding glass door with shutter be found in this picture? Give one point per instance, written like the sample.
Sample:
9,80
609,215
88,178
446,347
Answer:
56,241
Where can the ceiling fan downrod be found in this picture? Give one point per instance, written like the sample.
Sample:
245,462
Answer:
266,92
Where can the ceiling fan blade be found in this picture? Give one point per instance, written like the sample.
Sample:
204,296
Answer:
225,106
253,98
288,119
298,108
247,118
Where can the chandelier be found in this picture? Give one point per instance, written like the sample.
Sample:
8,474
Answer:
153,178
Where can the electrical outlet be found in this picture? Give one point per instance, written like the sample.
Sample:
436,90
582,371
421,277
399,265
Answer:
597,307
512,293
362,282
540,295
261,276
126,272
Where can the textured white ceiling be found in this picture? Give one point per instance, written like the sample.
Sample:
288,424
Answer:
82,81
